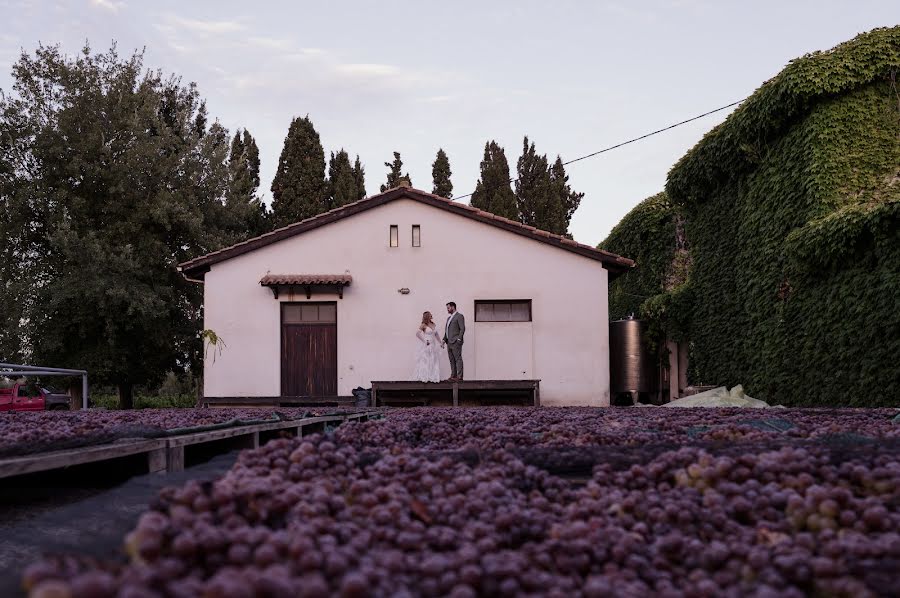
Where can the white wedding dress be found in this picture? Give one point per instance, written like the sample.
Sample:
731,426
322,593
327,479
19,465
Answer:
428,367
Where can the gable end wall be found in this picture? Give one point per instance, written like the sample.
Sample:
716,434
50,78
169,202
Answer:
566,345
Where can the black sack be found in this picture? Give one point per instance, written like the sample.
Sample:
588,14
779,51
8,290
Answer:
363,396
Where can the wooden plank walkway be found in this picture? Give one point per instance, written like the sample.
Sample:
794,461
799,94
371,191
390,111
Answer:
479,392
170,453
67,458
329,401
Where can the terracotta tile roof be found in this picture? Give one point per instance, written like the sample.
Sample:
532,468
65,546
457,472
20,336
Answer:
271,280
197,267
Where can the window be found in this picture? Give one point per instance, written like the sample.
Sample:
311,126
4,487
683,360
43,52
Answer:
29,390
417,235
309,313
517,310
395,236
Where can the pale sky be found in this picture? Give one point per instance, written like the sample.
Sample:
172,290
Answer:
415,76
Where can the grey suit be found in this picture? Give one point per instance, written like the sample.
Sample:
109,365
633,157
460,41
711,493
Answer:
453,336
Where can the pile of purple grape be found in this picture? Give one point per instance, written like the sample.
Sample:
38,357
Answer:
443,502
24,432
489,428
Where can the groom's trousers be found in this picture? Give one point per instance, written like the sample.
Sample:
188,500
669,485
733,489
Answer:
454,350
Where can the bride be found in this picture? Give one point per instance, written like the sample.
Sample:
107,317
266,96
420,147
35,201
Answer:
428,368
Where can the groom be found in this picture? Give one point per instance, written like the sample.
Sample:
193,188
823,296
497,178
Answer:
453,336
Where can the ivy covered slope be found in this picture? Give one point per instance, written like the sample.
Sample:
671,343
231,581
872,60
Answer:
652,234
646,234
792,215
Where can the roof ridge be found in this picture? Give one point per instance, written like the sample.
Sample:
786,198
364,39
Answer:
389,195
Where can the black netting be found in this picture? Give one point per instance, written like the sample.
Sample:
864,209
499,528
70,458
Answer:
579,462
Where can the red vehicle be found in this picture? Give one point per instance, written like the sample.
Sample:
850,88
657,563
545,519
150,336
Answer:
28,396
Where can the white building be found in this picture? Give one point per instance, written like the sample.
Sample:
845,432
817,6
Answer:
323,306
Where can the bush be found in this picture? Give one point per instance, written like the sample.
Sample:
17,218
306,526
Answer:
175,391
144,401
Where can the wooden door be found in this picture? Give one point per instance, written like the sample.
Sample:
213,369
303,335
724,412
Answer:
309,349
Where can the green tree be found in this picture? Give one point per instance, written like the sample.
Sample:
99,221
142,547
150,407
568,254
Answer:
567,201
492,191
532,187
110,178
299,190
395,169
244,156
342,181
359,175
248,212
14,237
440,174
544,197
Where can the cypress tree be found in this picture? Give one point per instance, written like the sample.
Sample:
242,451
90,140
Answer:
545,199
394,173
341,180
533,188
440,174
567,200
251,151
237,149
492,191
249,217
299,190
359,175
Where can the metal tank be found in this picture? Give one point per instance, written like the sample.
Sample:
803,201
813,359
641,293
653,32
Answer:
632,367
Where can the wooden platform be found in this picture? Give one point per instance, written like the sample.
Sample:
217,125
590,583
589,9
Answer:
463,393
330,401
173,453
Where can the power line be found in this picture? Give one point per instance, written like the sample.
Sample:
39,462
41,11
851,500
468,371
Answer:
618,145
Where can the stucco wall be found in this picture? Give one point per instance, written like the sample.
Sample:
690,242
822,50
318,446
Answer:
566,345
